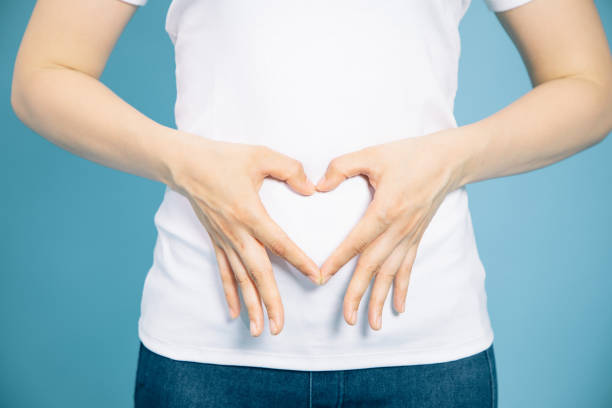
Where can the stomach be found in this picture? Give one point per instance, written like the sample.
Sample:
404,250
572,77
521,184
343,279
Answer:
184,304
312,93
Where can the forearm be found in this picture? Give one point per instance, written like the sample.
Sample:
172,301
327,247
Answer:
79,113
554,120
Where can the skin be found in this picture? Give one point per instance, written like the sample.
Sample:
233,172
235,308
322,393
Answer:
56,91
568,109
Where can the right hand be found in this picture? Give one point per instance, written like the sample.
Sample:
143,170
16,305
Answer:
221,180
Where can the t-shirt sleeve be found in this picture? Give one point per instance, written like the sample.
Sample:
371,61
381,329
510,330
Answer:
503,5
135,2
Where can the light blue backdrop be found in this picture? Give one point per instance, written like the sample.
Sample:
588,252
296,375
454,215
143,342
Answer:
77,238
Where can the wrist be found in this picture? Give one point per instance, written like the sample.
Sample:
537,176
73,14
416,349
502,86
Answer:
172,148
178,153
459,149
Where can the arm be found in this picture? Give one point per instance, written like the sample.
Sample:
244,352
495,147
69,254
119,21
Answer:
56,91
569,109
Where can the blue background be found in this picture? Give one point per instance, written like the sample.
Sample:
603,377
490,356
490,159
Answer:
77,240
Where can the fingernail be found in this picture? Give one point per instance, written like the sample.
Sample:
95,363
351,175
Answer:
311,185
353,318
322,279
273,327
321,180
402,303
378,321
253,328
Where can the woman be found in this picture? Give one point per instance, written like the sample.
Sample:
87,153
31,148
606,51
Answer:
272,95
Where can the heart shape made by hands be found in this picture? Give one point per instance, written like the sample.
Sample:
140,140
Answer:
320,222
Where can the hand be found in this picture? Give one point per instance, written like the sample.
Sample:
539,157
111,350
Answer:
221,181
411,177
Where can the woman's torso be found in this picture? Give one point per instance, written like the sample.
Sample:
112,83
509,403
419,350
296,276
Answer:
315,79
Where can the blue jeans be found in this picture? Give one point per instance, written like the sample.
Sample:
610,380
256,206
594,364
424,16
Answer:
467,382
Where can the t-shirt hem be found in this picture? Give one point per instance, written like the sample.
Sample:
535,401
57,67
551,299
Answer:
321,362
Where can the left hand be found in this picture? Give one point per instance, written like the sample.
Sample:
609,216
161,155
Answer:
411,177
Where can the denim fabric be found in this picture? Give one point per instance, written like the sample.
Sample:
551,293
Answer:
467,382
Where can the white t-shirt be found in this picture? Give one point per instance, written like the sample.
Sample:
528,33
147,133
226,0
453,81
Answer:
314,79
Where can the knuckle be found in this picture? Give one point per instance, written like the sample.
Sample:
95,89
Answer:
385,276
296,167
226,279
240,213
226,231
277,245
260,275
377,167
401,285
376,304
238,244
395,209
384,216
334,165
244,214
406,268
407,229
273,304
260,151
256,275
359,246
253,309
221,210
367,265
285,172
351,300
242,279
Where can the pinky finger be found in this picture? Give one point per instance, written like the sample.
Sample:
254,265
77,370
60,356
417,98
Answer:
402,279
230,287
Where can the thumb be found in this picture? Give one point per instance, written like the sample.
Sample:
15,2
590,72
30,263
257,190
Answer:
289,170
341,168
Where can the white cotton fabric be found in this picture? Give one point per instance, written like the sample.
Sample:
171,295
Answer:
493,5
503,5
136,2
315,79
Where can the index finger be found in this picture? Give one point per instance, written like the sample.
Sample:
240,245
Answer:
270,234
373,223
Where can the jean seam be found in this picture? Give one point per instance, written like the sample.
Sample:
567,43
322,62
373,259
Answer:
341,389
310,391
491,379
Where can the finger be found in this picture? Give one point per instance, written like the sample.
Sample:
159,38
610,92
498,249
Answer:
342,167
258,265
370,226
262,227
230,287
383,280
367,266
287,169
246,272
376,253
402,279
249,292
